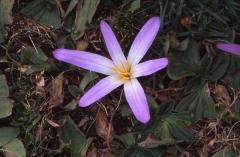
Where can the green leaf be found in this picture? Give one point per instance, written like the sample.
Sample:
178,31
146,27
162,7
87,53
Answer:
128,139
44,11
36,59
88,77
74,90
71,105
14,148
217,66
173,126
199,102
84,15
186,63
5,16
5,104
166,107
152,103
233,80
72,137
225,153
135,5
7,134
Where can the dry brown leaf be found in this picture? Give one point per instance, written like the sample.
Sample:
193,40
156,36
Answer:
150,142
103,128
222,94
52,123
81,44
57,91
92,152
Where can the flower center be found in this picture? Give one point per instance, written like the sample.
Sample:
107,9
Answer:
125,72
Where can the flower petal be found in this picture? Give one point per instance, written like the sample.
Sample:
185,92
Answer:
137,100
149,67
232,48
112,44
143,40
102,88
86,60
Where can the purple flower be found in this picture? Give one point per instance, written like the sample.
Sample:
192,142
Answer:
120,70
231,48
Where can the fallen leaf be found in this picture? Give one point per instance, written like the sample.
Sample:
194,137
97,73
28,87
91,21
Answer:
81,44
103,128
150,142
57,90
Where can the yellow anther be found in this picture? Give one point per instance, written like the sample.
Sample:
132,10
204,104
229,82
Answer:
124,72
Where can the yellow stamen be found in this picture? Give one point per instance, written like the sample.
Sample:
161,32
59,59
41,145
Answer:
124,72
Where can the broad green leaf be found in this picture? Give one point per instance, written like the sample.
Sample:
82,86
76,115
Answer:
7,134
186,63
71,105
30,55
84,14
5,104
44,11
233,80
128,139
134,5
166,107
74,90
173,126
36,59
5,16
199,102
152,104
225,153
215,68
71,136
88,77
14,148
169,128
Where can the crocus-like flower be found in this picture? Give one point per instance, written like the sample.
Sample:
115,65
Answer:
120,70
231,48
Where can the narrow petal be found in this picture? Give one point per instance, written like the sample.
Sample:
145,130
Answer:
231,48
149,67
143,40
112,44
137,100
101,89
85,60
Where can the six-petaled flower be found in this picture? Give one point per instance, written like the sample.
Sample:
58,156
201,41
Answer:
120,70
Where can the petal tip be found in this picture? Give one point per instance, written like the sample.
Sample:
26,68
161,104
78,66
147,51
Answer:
82,103
145,119
58,54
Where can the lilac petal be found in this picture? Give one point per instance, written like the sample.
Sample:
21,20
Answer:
143,40
112,44
231,48
149,67
137,100
102,88
86,60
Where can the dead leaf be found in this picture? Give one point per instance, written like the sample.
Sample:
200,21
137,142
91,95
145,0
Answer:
222,95
57,90
150,142
103,128
81,44
52,123
93,152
